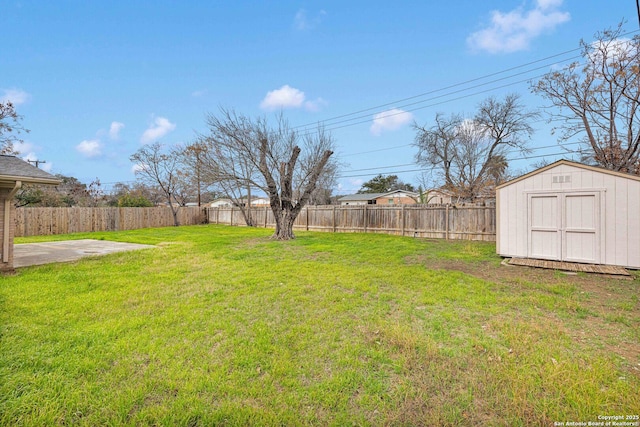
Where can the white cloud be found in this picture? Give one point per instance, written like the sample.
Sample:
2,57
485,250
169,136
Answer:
621,49
513,31
160,128
302,22
137,168
285,97
356,183
315,105
28,156
390,120
27,152
114,130
90,148
198,93
33,157
23,147
16,96
290,97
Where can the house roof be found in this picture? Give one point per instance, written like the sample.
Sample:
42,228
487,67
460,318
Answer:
439,190
570,163
410,193
13,169
361,197
372,196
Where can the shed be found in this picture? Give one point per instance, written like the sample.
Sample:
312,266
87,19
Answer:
572,212
15,172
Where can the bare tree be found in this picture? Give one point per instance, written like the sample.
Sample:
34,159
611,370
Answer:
157,168
223,164
192,159
598,100
285,165
10,128
470,154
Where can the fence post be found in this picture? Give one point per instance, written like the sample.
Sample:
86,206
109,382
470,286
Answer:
365,218
307,208
266,213
402,215
446,221
231,216
334,218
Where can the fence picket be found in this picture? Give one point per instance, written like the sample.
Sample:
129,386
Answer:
459,222
48,221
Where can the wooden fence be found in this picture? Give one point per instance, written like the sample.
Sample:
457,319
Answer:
440,222
46,221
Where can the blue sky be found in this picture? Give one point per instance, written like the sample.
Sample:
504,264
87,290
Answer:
94,80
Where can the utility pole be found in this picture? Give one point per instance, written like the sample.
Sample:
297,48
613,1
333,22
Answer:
36,162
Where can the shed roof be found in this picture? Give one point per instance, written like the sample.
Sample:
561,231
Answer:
570,163
13,169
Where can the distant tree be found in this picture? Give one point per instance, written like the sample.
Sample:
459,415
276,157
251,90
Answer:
94,194
191,157
470,154
218,166
598,100
136,195
245,153
10,128
384,184
156,167
70,192
134,201
29,195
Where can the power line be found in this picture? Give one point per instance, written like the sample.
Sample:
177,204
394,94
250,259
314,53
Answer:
422,169
466,82
524,157
375,151
331,122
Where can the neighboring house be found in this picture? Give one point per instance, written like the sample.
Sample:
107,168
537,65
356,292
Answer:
568,211
359,199
227,203
260,202
395,197
221,203
438,197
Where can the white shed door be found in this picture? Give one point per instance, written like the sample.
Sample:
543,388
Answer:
580,239
544,227
564,227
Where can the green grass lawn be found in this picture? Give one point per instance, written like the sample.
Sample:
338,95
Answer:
223,326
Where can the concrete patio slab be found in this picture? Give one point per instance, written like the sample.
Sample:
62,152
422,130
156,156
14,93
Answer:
27,254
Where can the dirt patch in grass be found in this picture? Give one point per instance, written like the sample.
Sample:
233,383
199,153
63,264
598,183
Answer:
606,310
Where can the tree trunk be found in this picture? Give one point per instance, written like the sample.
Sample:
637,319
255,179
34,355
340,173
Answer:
174,211
284,224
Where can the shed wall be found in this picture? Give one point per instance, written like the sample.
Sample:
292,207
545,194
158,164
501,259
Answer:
619,214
